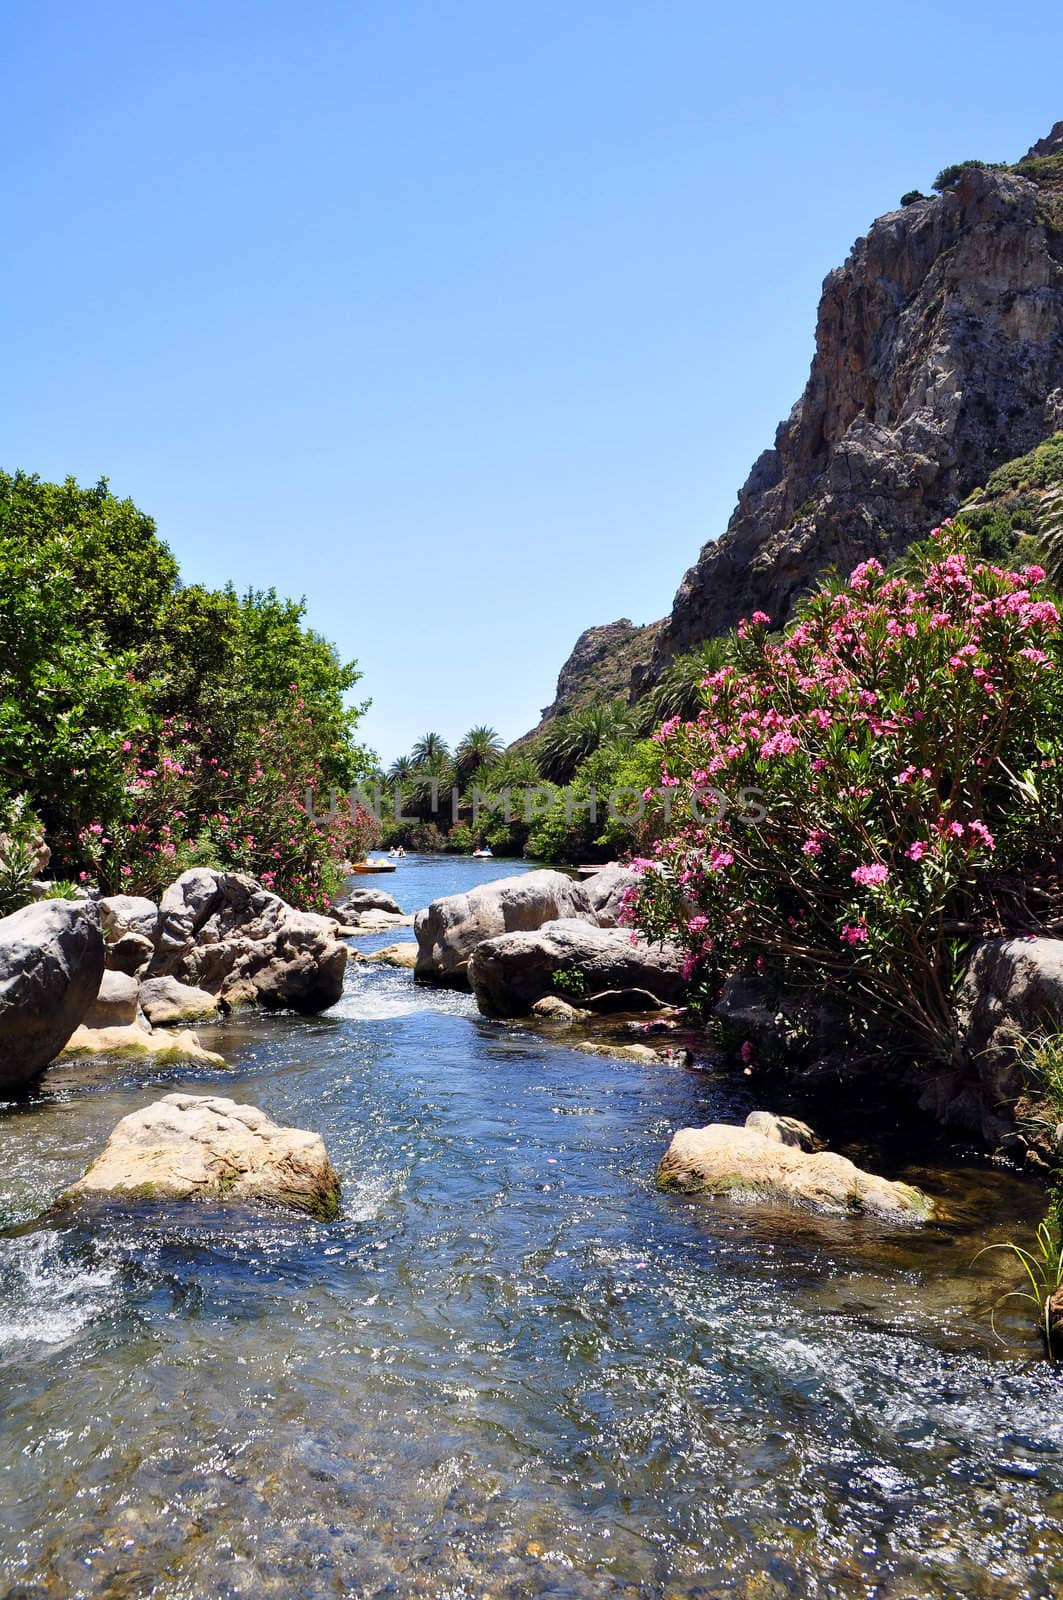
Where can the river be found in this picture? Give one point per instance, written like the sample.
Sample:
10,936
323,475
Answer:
512,1367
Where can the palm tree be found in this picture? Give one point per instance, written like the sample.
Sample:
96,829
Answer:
428,748
480,749
570,739
400,771
677,692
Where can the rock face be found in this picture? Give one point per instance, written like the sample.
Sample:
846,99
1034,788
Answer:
745,1163
199,1147
51,966
223,932
449,930
606,889
600,667
939,355
166,1002
510,973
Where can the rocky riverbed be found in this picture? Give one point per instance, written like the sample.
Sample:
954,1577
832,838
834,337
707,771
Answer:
512,1365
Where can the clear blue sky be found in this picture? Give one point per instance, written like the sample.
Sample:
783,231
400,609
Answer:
465,320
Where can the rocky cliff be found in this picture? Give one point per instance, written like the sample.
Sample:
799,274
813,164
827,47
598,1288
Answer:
600,667
939,356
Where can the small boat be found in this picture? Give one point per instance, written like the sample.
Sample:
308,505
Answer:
374,866
483,855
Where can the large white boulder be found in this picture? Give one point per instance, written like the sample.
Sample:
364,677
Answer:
203,1147
746,1163
449,930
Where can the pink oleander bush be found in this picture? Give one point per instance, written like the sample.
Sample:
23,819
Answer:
874,767
245,812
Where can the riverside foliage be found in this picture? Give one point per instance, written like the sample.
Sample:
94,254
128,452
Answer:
903,737
153,725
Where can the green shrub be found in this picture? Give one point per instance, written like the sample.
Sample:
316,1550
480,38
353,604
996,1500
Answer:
1042,466
912,196
951,175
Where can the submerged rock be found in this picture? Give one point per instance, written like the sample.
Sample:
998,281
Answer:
551,1008
135,1043
509,974
166,1001
635,1052
51,966
451,928
746,1163
223,932
203,1147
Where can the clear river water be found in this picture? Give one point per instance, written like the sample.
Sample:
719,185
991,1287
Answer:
512,1367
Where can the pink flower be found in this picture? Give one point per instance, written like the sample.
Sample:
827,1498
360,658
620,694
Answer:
855,934
916,850
761,619
720,859
875,873
746,1051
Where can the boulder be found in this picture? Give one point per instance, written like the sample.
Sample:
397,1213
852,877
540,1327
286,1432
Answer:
1012,990
551,1008
508,974
135,1042
115,1006
635,1052
51,965
784,1130
378,921
132,954
128,913
225,933
165,1001
449,930
202,1147
745,1163
393,955
606,890
358,900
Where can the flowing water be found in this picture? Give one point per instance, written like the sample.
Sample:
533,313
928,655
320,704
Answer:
512,1367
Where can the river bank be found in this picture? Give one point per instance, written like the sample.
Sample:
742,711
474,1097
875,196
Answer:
512,1365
